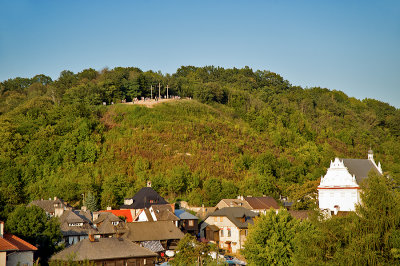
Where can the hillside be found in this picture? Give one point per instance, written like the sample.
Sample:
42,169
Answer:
245,132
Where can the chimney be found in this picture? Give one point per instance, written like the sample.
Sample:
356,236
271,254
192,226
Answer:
91,237
95,216
148,183
109,208
1,229
84,208
55,198
173,207
370,155
336,209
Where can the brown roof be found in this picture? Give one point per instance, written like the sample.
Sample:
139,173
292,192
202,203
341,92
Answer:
49,205
301,215
103,216
10,242
102,249
262,203
235,213
146,231
164,212
70,217
234,203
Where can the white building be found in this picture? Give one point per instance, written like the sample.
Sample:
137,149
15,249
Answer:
339,189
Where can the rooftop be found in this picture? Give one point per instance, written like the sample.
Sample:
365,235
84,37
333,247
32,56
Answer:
102,249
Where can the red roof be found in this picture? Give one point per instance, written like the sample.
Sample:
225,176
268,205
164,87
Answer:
11,242
125,213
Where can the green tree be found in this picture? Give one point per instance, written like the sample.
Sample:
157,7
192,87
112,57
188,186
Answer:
270,239
33,225
191,252
91,202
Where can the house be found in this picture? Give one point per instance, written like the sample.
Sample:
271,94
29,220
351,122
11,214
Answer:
159,234
75,225
256,204
232,223
106,251
339,189
107,224
54,207
188,223
14,250
144,198
128,215
162,212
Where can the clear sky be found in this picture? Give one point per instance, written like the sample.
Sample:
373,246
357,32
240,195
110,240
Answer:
352,46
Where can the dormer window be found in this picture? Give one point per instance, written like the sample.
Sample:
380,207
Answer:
115,223
75,224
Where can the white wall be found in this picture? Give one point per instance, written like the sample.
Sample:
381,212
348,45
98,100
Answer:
346,199
22,257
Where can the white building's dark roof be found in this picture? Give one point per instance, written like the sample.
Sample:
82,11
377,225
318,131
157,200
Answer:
360,168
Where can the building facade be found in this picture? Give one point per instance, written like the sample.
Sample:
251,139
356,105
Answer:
339,189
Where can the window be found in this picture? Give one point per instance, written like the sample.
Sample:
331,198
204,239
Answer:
191,223
215,219
115,223
75,224
245,232
229,232
222,232
221,219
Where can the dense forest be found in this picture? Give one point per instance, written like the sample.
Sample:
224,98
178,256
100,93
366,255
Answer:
244,132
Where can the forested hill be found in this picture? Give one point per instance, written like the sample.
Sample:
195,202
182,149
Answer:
244,132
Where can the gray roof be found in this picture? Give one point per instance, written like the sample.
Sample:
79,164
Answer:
184,215
234,213
360,168
50,205
71,217
145,198
154,246
102,249
147,231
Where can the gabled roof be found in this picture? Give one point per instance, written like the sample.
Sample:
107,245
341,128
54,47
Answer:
164,212
262,203
102,249
107,216
360,168
184,215
124,213
234,214
10,242
71,217
145,198
148,231
235,203
50,205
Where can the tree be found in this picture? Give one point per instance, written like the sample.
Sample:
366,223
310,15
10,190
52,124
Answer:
370,236
91,202
191,252
33,225
270,239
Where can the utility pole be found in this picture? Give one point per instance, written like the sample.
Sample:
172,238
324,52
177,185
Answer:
151,92
167,92
159,90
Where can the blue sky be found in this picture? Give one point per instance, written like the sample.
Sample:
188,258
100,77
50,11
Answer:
352,46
